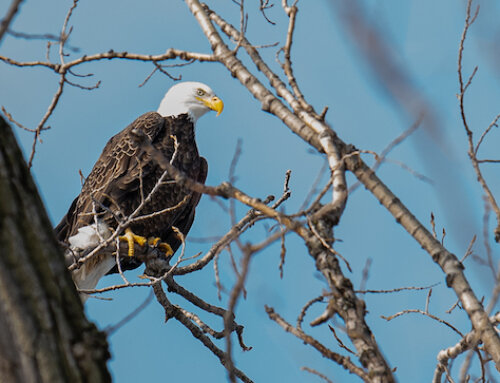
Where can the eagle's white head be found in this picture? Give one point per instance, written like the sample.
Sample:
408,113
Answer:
193,98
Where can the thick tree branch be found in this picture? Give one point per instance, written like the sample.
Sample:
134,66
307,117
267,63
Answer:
449,263
310,130
323,138
172,311
44,335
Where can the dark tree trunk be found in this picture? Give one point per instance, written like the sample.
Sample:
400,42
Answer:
44,335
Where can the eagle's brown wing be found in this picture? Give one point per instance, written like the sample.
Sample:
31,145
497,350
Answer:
183,222
116,173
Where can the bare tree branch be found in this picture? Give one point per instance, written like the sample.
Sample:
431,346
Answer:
327,353
9,17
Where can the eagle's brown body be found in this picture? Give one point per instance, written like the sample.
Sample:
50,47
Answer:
124,175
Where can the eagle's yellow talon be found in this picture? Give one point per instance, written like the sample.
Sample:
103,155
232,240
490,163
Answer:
155,242
166,248
132,238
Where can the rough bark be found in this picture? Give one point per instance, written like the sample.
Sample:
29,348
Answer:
44,335
349,307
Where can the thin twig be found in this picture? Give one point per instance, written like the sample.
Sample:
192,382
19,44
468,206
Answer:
415,311
343,361
314,372
396,290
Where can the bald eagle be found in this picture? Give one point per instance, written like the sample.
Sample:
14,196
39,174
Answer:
124,175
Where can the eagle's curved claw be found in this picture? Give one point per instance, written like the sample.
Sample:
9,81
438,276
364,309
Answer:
132,238
167,249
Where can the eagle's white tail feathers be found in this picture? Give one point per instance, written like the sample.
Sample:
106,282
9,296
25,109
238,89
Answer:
88,275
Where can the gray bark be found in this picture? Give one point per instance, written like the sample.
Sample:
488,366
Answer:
44,335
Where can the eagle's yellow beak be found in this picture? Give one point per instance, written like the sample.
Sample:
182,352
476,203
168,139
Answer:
214,103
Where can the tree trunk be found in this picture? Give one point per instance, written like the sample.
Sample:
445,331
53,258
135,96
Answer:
44,335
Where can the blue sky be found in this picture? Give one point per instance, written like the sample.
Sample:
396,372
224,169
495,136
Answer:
425,36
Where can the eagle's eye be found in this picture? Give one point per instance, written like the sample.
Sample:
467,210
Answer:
200,92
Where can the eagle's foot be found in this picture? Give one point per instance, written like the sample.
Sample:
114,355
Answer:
132,238
164,246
